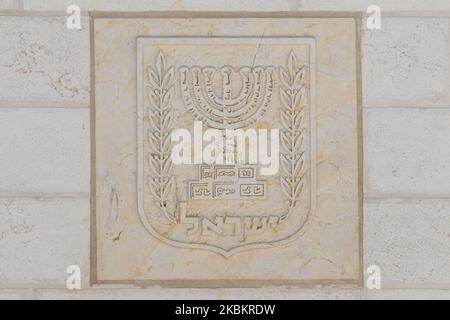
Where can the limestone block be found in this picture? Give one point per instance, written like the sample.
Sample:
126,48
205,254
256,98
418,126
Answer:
406,63
43,63
40,238
409,241
44,150
406,151
227,224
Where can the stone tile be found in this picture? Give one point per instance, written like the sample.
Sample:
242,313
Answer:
409,240
385,5
406,150
407,63
342,5
10,294
44,150
230,294
144,5
9,4
43,63
408,294
198,294
40,238
317,242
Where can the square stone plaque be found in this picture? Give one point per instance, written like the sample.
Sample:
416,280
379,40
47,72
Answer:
226,224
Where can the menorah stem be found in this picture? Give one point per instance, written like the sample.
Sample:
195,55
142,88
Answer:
226,87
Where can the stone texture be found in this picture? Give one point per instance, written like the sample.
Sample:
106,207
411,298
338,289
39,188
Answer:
195,294
144,5
128,248
409,240
9,4
11,294
406,150
406,63
246,5
43,63
385,5
40,238
44,150
408,294
230,294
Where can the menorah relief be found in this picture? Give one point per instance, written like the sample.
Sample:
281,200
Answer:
203,210
227,111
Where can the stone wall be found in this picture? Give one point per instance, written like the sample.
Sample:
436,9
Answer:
45,143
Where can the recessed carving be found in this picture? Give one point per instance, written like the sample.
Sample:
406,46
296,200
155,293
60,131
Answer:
292,85
227,182
226,213
227,111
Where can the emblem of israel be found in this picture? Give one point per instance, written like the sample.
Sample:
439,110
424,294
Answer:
225,84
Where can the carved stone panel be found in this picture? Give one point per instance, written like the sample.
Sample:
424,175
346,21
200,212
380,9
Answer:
228,220
225,209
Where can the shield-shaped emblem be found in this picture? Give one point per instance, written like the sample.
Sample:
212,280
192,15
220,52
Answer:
226,83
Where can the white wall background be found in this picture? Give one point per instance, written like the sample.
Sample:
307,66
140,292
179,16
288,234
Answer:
45,152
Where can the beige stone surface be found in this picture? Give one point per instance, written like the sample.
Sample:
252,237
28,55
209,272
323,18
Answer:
409,240
233,294
385,5
45,150
127,249
406,63
409,294
245,5
11,295
9,4
159,5
43,63
196,294
40,238
406,151
250,197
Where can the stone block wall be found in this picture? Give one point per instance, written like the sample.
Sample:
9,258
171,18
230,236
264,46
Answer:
45,143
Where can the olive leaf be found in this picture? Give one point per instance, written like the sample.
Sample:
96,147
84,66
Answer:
160,118
292,94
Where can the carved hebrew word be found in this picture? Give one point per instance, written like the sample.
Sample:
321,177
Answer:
227,182
230,226
227,111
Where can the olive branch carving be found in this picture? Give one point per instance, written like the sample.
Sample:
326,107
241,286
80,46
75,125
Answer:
160,116
292,93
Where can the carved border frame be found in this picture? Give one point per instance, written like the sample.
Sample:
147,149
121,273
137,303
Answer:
228,283
312,143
